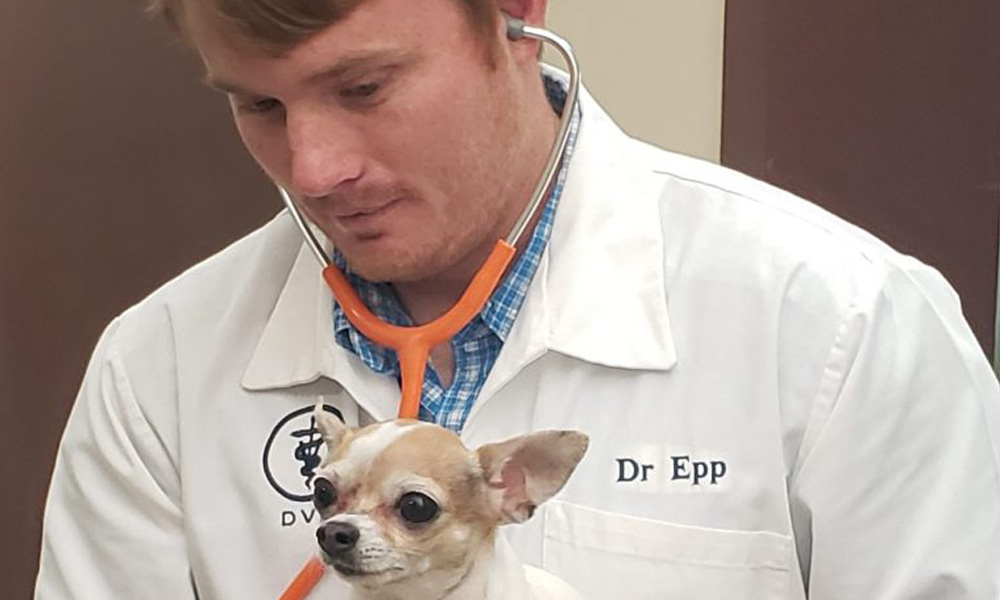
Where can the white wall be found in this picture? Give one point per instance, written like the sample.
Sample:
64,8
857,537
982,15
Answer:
655,65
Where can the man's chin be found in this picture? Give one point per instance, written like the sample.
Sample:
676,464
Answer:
389,267
382,273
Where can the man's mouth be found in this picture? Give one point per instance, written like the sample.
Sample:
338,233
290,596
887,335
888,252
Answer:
357,213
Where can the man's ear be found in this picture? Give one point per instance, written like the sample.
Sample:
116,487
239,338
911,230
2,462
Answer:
330,427
525,471
531,12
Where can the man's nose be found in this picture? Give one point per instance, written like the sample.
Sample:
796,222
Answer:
325,153
336,538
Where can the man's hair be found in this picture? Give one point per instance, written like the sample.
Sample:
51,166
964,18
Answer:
277,26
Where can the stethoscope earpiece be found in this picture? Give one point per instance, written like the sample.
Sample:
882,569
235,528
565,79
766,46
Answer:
515,28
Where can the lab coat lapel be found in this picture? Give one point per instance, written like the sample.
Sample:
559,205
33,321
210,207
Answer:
298,346
600,292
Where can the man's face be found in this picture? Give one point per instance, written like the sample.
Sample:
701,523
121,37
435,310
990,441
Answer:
390,127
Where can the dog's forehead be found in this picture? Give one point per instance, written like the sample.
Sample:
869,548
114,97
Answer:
401,445
363,446
426,445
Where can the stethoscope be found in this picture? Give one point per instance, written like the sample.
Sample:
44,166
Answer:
413,344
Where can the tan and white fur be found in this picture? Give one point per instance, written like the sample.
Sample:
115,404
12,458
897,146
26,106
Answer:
409,512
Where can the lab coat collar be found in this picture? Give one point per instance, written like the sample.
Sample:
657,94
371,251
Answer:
599,294
298,345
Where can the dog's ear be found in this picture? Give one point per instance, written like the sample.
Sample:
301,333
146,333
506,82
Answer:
330,427
525,471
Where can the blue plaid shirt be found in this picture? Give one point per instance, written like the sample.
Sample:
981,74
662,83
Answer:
477,346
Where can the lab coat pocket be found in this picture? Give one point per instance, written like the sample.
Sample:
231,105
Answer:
607,555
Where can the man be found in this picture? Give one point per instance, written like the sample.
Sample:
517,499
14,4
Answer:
780,406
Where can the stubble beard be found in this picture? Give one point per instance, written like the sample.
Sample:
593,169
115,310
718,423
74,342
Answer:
442,255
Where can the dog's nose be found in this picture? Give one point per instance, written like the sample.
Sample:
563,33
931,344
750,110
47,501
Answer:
336,538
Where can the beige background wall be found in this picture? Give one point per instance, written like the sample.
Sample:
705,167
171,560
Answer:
656,65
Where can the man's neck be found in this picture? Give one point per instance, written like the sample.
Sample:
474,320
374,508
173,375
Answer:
428,299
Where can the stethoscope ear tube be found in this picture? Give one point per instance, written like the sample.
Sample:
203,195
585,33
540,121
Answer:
311,240
516,29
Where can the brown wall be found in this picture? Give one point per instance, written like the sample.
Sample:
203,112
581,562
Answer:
117,169
887,113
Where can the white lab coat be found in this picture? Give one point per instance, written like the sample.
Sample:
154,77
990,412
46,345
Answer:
779,407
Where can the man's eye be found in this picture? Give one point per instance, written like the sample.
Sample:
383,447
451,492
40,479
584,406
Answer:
260,106
365,90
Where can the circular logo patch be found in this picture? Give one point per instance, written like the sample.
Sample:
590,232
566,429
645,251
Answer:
293,452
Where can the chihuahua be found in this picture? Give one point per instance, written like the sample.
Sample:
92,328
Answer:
409,512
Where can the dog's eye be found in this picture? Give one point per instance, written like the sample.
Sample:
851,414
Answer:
324,494
417,508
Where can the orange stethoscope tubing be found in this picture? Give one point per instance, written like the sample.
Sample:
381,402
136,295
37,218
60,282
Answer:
413,344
